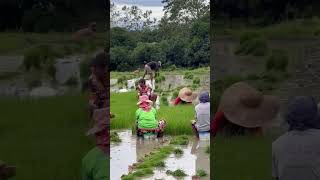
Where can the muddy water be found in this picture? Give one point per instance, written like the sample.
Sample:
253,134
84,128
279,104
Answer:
131,149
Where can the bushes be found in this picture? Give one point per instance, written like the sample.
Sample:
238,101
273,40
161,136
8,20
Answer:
278,60
188,75
38,56
252,43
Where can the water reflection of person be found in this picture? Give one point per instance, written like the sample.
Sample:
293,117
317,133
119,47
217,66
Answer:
202,161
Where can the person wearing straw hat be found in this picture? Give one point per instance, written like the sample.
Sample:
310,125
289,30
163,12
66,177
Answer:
146,117
244,110
202,115
295,155
6,171
96,162
185,96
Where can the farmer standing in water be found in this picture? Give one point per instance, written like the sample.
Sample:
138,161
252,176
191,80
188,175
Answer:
151,69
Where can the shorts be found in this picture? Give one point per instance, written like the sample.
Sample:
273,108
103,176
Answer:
148,70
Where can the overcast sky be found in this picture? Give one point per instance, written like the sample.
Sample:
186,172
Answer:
154,5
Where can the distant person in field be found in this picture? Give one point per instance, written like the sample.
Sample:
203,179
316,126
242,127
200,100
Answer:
185,96
244,110
146,117
88,32
144,89
202,115
296,154
95,164
6,171
151,69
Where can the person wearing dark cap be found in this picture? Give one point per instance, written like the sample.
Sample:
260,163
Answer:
202,115
95,163
296,154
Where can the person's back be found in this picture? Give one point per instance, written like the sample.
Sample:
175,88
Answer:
203,116
147,119
296,155
155,66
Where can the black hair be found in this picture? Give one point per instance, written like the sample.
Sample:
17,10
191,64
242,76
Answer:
142,81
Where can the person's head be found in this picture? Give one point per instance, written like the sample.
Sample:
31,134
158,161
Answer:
142,82
204,97
99,66
302,114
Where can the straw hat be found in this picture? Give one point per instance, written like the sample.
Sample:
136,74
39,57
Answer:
187,95
100,121
247,107
144,98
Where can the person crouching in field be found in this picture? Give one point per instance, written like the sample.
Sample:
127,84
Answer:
244,110
146,117
295,155
95,163
202,115
185,96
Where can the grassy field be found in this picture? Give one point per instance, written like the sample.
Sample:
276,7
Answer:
241,158
45,138
123,105
129,75
14,43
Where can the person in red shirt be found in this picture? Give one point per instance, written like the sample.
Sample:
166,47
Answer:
143,89
185,96
244,110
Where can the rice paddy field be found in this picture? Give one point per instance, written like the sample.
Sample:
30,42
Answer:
45,138
241,158
124,105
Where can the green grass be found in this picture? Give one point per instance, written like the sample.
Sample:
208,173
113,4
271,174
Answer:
201,173
124,105
177,173
114,137
16,43
180,140
45,138
241,158
178,152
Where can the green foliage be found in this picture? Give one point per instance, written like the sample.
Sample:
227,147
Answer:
196,81
188,75
40,56
178,152
278,60
252,44
201,173
176,173
175,94
164,100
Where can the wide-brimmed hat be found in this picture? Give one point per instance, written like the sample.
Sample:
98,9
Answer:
247,107
144,98
187,95
100,118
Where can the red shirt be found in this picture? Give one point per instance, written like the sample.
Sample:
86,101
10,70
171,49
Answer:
144,90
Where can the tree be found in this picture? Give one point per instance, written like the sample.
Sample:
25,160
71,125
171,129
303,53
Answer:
184,11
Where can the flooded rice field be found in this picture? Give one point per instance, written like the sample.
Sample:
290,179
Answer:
131,149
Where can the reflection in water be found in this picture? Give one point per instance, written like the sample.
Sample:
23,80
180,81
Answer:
122,155
131,149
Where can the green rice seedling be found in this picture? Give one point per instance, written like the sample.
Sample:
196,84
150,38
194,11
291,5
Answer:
115,137
257,158
124,106
160,164
201,173
180,140
164,100
156,159
138,173
178,152
188,75
176,173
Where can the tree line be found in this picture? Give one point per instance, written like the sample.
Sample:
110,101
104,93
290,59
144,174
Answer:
49,15
178,39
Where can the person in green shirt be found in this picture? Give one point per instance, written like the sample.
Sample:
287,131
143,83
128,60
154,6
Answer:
146,117
95,165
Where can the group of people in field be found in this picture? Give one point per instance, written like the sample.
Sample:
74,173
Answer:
246,111
146,114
